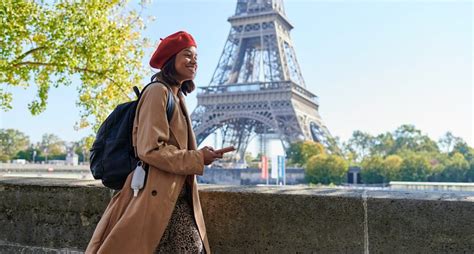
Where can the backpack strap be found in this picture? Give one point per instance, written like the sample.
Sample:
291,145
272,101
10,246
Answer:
170,105
169,101
169,108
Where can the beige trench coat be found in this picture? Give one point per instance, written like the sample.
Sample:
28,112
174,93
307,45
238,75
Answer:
136,224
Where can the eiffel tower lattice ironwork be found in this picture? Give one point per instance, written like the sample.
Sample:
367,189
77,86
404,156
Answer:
257,87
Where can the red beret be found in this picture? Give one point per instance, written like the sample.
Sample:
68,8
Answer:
170,46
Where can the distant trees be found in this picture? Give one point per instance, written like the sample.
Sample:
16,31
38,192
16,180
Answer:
456,169
52,145
320,167
16,145
403,155
360,145
414,167
11,142
326,168
82,148
300,152
408,155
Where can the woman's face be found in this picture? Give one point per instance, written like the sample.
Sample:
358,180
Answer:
186,64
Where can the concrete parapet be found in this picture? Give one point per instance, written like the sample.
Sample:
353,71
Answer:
444,186
50,216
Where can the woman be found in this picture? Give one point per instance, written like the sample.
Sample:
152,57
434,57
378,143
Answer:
166,217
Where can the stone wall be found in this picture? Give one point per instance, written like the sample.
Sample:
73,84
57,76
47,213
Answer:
59,216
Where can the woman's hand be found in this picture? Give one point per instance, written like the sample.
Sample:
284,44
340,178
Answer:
209,155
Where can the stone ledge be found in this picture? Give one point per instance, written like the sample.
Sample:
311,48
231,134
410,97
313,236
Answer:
62,214
280,190
6,247
40,181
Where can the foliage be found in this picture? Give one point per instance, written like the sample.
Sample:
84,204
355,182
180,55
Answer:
415,167
392,165
32,154
383,145
46,45
299,152
372,170
52,145
407,137
334,146
82,148
376,169
360,145
326,168
448,141
462,148
470,173
11,142
405,154
456,170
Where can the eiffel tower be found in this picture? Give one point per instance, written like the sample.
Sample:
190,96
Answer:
257,87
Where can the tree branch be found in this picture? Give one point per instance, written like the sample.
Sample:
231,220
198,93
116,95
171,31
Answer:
75,68
29,52
60,65
121,89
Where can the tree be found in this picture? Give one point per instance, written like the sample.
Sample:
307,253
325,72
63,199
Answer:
334,146
349,154
376,169
299,152
425,144
11,142
31,154
82,148
407,137
448,141
360,144
462,148
470,173
326,169
372,170
46,44
383,144
415,167
52,145
456,170
391,166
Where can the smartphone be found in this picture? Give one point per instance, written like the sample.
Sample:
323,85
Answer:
225,149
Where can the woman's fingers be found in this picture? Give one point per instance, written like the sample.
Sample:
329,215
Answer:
219,155
212,154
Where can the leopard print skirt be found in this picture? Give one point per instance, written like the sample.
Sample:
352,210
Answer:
181,234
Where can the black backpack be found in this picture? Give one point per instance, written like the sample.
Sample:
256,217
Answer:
112,155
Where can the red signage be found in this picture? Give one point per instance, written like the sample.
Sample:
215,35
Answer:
264,167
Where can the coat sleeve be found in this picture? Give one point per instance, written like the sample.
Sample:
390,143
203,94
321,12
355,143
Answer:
153,134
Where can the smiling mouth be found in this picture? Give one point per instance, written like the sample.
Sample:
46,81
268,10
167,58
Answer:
193,69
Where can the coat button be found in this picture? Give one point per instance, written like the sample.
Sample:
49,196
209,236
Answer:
153,193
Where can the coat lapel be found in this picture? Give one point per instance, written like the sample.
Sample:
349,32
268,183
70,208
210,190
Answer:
177,126
191,139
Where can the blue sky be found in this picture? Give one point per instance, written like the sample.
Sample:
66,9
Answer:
375,65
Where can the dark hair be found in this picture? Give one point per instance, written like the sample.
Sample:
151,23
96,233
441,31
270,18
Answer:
168,73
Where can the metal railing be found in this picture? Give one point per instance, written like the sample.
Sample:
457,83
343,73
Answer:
258,86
